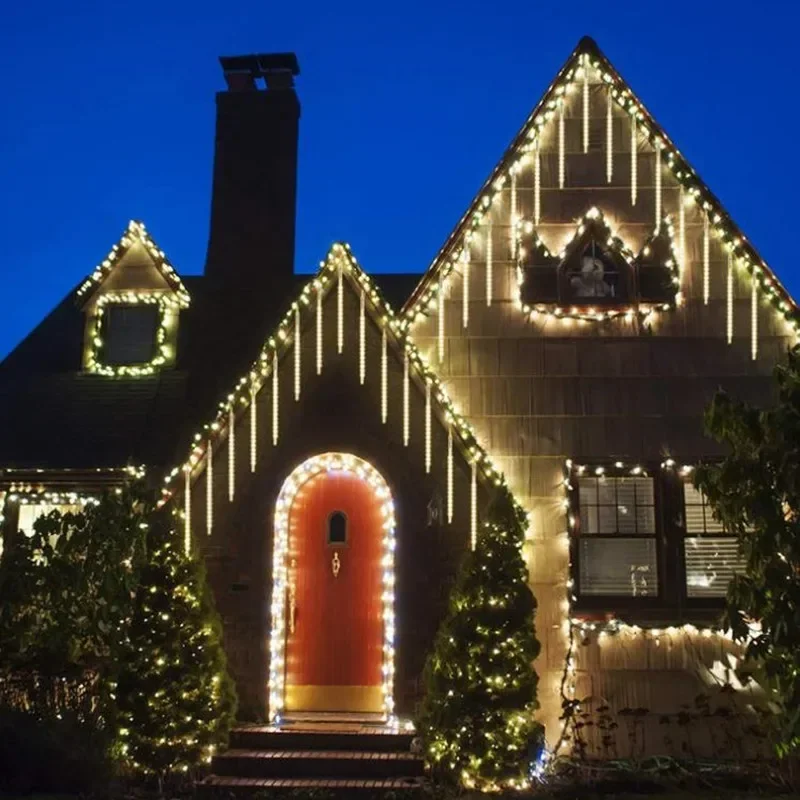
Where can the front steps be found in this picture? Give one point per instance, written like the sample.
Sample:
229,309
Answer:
345,758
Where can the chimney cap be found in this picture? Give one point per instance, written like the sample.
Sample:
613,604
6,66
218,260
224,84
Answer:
278,69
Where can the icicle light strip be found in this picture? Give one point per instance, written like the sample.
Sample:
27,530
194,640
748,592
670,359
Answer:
209,488
449,472
275,399
561,168
514,216
465,285
340,312
754,319
634,160
187,512
729,300
384,378
473,507
319,333
659,146
440,320
253,429
297,353
681,231
231,454
427,426
707,259
362,340
406,401
537,184
489,264
585,104
609,138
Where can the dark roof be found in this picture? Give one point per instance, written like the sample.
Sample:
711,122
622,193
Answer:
53,415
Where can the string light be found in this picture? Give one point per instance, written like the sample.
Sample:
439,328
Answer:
449,473
340,313
384,378
362,340
440,321
514,232
298,347
231,454
473,508
682,230
537,184
427,426
406,392
465,259
209,488
729,299
659,146
187,511
561,169
253,427
609,137
275,398
489,264
634,160
585,104
706,259
754,318
319,333
307,471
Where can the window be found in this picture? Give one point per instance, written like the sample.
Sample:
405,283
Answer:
617,536
337,528
130,333
594,277
711,558
30,512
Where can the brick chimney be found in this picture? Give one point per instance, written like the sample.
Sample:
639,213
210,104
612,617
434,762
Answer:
250,255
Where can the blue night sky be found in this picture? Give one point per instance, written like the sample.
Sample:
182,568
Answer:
109,115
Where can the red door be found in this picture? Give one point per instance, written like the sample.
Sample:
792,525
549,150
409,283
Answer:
335,628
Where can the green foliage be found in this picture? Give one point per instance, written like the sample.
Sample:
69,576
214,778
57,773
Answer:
477,717
66,589
176,700
755,492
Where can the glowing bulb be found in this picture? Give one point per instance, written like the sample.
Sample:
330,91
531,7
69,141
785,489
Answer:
634,160
340,312
658,184
297,353
319,331
384,378
275,398
489,265
465,285
406,415
754,318
209,488
537,184
187,513
585,104
561,168
440,320
231,453
609,137
362,341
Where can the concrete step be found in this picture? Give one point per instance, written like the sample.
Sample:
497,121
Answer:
316,763
324,737
219,785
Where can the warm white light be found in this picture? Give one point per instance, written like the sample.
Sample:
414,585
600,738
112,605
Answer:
729,299
275,398
561,169
634,160
473,507
384,378
585,104
658,184
297,353
231,453
489,264
465,261
209,488
754,318
707,259
514,216
362,340
449,473
187,512
609,137
427,426
537,184
440,320
340,312
253,429
319,331
406,400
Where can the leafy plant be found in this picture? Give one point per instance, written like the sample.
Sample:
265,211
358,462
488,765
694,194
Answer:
755,493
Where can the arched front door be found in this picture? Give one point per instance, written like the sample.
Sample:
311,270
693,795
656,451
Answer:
334,609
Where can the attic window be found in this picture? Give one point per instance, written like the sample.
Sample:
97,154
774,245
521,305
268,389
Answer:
594,277
130,336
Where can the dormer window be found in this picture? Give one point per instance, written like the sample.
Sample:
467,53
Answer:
594,276
132,302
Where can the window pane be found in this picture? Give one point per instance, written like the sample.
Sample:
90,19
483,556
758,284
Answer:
710,565
587,492
645,519
618,567
130,334
606,492
699,518
337,528
607,519
589,523
30,512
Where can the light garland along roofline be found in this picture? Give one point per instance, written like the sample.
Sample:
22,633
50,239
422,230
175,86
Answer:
588,55
135,231
277,345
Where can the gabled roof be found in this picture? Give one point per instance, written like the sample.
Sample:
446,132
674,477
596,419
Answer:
588,53
279,344
135,233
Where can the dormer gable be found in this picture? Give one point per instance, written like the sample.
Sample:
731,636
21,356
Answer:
132,303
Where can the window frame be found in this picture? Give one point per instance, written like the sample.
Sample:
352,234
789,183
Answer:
671,603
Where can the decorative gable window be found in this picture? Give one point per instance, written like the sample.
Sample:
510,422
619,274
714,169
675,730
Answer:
132,304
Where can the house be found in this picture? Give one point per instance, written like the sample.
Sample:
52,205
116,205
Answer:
332,443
